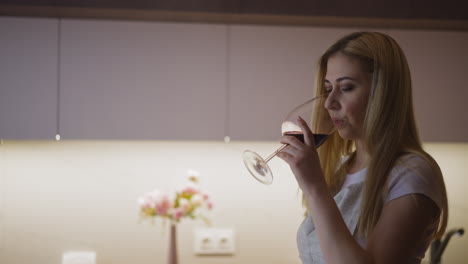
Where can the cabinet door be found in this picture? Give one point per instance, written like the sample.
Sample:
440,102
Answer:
142,80
272,70
439,64
28,78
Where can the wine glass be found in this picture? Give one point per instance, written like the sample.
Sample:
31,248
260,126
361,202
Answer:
318,120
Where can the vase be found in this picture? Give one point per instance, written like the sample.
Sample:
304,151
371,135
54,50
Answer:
172,257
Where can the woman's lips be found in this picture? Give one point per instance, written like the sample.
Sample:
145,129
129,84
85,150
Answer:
339,123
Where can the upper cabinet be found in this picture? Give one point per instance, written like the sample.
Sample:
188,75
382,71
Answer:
141,80
439,64
180,81
28,78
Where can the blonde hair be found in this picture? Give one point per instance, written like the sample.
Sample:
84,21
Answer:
389,125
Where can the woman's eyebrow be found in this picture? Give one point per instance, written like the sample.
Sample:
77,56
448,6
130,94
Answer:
341,79
345,78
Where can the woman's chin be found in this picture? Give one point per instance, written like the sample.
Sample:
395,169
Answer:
345,134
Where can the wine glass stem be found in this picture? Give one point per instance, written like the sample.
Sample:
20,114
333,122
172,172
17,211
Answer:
276,152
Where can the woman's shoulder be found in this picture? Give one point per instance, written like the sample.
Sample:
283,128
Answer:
415,164
415,173
414,160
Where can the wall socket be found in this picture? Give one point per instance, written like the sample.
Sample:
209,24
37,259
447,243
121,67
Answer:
87,257
214,241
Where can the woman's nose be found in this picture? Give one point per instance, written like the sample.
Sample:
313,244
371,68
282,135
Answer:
331,103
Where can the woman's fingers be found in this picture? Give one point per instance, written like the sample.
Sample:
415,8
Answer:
288,158
308,135
295,152
291,140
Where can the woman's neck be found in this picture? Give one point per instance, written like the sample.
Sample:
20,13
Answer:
360,159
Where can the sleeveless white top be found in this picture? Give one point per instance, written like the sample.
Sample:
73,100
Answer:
412,175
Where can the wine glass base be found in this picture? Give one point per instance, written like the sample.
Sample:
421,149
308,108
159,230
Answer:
257,167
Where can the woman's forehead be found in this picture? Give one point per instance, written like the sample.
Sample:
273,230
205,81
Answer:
340,65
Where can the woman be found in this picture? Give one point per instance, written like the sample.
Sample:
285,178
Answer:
372,194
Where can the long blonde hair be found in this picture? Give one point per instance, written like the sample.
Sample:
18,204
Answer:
389,125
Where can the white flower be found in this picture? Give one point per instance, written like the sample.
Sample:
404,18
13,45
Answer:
184,204
197,200
193,175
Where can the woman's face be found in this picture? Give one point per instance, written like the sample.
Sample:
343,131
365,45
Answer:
348,86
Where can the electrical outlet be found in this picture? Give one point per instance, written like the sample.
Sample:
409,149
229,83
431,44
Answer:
214,241
79,258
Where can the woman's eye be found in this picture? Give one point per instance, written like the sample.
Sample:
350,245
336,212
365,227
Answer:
347,88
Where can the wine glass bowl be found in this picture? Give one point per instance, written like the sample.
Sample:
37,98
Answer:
318,120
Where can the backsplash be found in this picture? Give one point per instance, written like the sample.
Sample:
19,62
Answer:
63,196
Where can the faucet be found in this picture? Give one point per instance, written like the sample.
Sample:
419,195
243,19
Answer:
438,247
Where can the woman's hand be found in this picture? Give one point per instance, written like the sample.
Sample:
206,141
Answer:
303,159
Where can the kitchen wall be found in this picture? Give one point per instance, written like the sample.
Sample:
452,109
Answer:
82,196
65,196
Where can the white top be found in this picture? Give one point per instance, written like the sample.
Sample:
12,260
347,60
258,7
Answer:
412,175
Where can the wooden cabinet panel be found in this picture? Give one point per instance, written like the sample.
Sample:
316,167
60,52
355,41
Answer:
439,64
137,80
28,78
167,81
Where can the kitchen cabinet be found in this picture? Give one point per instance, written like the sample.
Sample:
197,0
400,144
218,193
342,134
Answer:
135,80
28,78
142,80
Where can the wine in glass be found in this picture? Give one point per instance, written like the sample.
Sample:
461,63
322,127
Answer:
318,120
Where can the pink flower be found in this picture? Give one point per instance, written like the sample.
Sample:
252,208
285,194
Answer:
177,213
190,189
155,203
163,204
188,200
209,204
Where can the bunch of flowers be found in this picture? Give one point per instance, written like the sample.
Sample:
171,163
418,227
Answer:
188,201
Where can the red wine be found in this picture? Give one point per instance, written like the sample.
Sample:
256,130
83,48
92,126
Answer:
297,134
318,138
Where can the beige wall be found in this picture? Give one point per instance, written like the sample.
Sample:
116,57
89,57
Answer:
64,196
